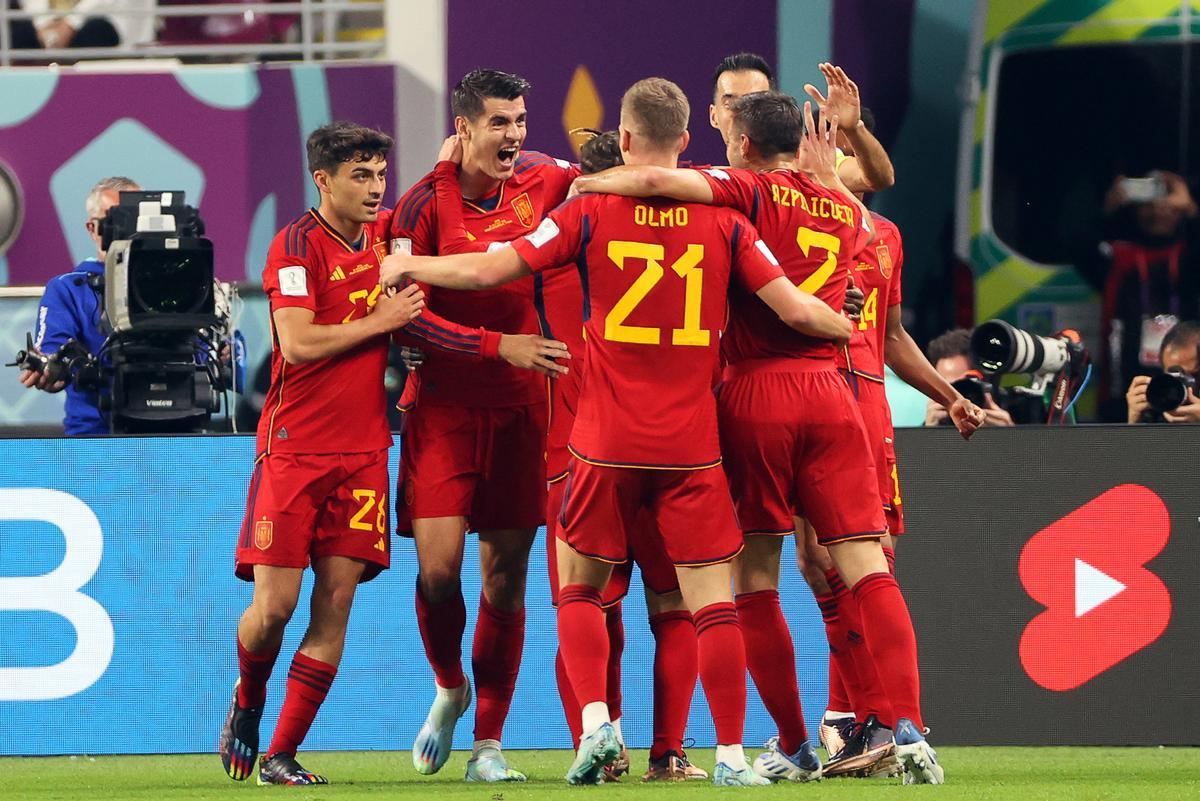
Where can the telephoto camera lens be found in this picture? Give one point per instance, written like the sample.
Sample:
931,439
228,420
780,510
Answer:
998,347
1167,391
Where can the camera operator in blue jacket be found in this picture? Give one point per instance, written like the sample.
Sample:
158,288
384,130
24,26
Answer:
70,309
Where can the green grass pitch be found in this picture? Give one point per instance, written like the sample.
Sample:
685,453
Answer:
973,774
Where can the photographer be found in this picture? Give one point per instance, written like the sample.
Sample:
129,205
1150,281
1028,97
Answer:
70,309
950,355
1178,354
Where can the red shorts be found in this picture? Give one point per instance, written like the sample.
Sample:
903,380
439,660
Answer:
484,464
304,506
794,445
688,511
618,584
877,417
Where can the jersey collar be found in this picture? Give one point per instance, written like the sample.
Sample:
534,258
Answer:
353,247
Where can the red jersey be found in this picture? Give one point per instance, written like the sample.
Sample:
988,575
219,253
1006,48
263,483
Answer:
557,301
814,231
877,274
539,183
335,405
656,275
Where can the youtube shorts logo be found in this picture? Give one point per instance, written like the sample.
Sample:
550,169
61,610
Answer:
1102,604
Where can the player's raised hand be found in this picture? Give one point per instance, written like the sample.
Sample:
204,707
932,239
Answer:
532,352
818,149
399,308
451,150
843,100
966,416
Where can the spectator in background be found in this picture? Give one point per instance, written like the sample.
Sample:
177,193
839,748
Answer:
1148,211
1180,351
950,355
70,309
82,23
1148,279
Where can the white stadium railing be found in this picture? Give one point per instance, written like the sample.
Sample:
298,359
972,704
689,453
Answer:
318,33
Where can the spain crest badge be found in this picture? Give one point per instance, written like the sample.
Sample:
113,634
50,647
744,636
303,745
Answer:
523,206
885,260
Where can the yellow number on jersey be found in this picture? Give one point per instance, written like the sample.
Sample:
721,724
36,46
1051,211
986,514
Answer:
807,239
367,497
686,267
868,318
371,296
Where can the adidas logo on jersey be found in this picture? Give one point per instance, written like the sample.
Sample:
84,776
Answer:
337,274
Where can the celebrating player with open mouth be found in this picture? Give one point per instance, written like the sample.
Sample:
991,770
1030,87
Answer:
472,456
645,436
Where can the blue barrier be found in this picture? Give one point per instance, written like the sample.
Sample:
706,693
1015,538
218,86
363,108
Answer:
125,547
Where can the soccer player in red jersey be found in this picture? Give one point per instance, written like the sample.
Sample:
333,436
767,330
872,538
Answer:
558,299
473,445
791,433
645,434
319,491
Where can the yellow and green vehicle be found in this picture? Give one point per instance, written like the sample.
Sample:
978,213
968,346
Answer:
1063,96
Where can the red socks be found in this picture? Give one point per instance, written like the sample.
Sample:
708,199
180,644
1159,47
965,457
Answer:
495,661
254,670
616,648
442,625
307,685
722,662
772,662
856,666
571,708
674,679
889,633
583,642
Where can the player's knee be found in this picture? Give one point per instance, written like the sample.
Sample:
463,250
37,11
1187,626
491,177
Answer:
274,612
337,602
505,589
438,582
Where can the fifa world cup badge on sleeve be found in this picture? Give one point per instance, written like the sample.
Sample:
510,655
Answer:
264,534
293,281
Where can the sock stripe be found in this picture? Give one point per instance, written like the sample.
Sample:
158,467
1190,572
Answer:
873,581
667,617
321,688
715,615
315,674
757,595
834,579
578,593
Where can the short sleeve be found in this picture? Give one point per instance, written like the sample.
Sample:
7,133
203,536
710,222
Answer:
894,295
556,174
754,265
289,279
414,221
737,189
557,240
